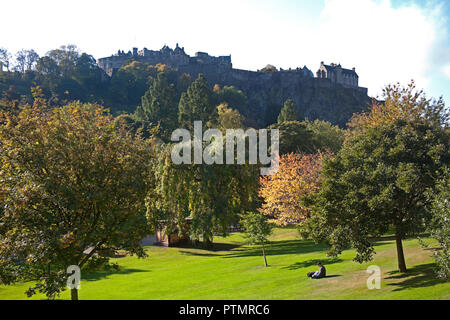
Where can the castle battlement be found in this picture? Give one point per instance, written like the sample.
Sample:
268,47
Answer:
331,88
202,62
174,58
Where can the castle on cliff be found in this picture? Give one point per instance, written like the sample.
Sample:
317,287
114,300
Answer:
332,93
202,61
174,58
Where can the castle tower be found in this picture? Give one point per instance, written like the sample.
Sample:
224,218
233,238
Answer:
338,75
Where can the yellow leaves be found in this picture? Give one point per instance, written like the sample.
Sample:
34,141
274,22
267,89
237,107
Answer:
67,239
162,67
229,118
298,176
401,102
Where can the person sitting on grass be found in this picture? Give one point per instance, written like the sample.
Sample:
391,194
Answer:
318,274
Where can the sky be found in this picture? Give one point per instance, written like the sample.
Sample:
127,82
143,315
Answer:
387,41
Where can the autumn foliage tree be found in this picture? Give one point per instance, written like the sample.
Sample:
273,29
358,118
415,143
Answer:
213,196
379,179
298,176
71,180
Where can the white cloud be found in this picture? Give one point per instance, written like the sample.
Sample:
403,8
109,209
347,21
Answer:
385,44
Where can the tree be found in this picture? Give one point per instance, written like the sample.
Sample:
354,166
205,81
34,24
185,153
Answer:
88,74
440,224
298,176
183,83
26,60
213,196
159,105
66,58
295,137
326,136
73,186
5,58
229,118
46,66
233,97
379,178
269,68
20,61
287,112
129,84
131,81
196,104
257,230
31,58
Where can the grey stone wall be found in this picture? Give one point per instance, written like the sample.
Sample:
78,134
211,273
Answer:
333,96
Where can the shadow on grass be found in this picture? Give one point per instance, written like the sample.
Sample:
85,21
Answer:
209,252
416,277
273,248
199,254
280,248
286,247
99,275
309,263
216,247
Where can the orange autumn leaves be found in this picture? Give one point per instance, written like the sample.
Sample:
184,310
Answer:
400,103
298,176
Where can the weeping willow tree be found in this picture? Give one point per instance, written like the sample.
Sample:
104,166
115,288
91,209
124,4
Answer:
213,196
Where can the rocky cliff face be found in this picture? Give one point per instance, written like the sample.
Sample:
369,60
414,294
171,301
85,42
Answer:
314,98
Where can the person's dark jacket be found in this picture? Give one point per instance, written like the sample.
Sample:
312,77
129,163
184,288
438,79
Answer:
322,273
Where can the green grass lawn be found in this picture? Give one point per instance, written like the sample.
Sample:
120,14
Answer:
236,271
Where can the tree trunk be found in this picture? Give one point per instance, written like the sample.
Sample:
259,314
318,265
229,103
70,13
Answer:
400,254
207,241
74,294
264,254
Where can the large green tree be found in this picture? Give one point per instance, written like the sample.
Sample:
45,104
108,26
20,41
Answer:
287,112
129,84
379,178
196,104
73,185
159,105
233,97
326,136
440,224
212,195
295,137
